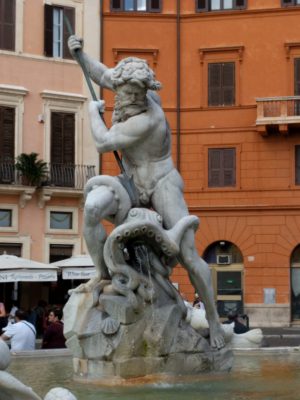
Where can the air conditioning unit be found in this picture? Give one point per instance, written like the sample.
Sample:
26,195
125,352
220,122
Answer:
224,259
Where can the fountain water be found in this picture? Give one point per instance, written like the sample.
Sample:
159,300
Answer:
259,375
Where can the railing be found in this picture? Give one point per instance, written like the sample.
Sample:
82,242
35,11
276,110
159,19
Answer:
278,110
62,175
8,173
69,175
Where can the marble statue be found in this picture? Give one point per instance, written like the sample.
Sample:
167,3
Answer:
12,389
116,315
251,339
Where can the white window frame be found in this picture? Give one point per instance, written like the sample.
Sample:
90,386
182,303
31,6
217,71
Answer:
14,218
72,210
78,5
63,102
25,241
76,243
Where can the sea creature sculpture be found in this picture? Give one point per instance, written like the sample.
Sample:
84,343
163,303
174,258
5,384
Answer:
140,250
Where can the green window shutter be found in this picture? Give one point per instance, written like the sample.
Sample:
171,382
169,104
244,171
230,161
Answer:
56,138
62,138
214,167
297,76
7,24
215,84
69,138
7,133
221,167
70,14
48,30
228,83
297,165
229,167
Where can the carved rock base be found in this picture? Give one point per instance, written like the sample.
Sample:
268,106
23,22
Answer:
110,340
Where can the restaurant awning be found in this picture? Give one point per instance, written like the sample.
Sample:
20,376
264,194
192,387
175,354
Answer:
18,269
76,267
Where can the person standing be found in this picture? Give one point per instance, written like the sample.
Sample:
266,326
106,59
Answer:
3,317
21,334
54,334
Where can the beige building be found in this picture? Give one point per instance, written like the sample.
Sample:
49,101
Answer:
43,109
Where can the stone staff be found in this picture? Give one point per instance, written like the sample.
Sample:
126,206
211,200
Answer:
125,179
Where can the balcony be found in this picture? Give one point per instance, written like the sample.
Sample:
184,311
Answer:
277,114
63,180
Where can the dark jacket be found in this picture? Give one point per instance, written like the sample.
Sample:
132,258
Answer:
54,336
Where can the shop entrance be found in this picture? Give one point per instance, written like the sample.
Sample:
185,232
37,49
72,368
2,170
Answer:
226,263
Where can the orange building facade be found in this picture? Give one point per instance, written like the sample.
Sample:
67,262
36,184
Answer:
231,83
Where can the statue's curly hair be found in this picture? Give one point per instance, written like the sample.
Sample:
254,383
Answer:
134,70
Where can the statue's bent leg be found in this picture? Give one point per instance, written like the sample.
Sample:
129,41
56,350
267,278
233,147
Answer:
99,204
200,278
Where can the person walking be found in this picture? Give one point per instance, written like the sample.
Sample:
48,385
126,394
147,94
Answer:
21,334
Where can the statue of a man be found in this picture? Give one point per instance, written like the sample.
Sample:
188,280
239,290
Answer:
142,135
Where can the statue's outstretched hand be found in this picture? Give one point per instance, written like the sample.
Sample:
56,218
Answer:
75,44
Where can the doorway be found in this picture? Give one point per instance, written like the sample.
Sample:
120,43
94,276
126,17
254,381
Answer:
227,269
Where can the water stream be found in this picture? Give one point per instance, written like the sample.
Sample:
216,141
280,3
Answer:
255,376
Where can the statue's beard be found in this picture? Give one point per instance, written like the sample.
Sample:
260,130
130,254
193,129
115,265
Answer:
125,110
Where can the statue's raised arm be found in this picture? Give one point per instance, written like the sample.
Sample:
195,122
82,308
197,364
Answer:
98,72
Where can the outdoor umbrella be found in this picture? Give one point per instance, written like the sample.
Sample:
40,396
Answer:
79,266
18,269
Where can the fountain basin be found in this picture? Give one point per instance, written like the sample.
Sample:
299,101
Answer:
262,374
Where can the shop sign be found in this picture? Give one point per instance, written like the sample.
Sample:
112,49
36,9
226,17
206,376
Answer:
28,276
78,273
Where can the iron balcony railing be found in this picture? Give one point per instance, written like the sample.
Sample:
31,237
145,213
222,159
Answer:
278,110
62,175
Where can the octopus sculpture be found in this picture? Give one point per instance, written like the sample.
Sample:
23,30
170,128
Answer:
140,251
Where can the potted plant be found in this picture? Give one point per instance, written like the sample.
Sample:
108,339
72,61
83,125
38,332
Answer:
33,171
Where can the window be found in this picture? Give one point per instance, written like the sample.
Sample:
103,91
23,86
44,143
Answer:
14,249
7,24
286,3
297,85
136,5
217,5
60,252
7,144
297,165
221,84
56,34
61,220
62,148
5,218
9,217
221,167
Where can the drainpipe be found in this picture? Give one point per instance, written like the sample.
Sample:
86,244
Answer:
101,60
178,85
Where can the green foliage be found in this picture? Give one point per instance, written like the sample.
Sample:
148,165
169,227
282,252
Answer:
33,171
